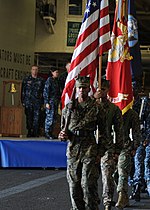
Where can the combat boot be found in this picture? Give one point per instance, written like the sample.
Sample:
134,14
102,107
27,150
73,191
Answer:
48,136
137,192
108,207
30,133
143,187
132,193
148,187
123,200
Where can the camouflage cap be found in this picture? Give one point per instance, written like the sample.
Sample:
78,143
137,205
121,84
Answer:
83,81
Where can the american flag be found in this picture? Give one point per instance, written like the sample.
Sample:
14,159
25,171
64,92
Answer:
93,40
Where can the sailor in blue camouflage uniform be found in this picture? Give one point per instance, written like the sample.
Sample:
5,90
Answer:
136,106
147,150
52,97
141,156
32,100
132,138
83,152
114,129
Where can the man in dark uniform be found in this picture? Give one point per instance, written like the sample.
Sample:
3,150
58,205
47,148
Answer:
63,76
82,150
114,129
32,100
136,107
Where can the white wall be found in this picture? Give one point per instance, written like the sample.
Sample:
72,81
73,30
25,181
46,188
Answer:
57,42
17,33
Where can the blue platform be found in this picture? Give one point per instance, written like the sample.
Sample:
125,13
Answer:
32,153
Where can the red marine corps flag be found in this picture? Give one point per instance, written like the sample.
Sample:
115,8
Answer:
118,68
92,41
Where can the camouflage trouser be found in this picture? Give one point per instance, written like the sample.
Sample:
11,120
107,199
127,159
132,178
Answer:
147,167
50,118
123,170
108,169
139,165
32,118
82,175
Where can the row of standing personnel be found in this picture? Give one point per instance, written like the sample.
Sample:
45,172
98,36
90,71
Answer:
38,95
140,172
114,149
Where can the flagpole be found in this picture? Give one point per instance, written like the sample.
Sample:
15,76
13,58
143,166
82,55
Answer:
99,87
100,72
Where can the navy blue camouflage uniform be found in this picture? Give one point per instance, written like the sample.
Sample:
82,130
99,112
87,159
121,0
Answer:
51,96
147,156
142,157
32,100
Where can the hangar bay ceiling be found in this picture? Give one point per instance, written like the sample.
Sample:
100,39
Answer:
143,17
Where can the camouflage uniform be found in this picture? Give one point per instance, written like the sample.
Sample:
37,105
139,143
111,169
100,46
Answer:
147,157
32,100
108,164
138,177
51,96
136,107
147,150
140,167
147,168
82,152
131,121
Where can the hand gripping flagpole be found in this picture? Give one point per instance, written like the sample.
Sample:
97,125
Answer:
105,43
